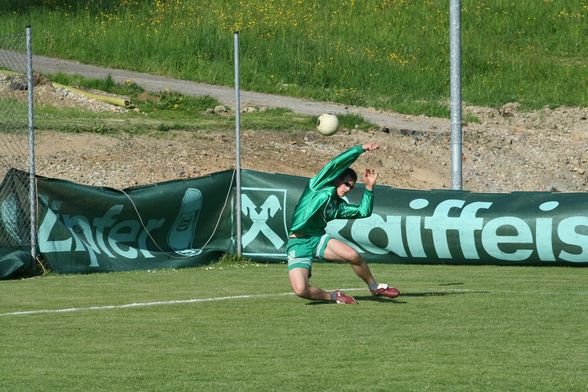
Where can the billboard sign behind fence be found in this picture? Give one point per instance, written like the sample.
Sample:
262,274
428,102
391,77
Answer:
190,222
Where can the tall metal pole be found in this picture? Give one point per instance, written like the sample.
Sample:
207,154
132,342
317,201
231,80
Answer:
32,170
238,144
455,82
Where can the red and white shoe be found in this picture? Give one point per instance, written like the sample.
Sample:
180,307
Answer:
345,299
384,291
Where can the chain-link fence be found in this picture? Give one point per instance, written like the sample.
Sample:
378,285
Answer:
16,144
13,103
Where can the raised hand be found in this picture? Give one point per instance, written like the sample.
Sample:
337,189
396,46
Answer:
370,146
369,179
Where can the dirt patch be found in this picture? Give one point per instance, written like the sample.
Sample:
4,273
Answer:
509,150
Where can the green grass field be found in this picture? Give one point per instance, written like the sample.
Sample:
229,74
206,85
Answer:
235,327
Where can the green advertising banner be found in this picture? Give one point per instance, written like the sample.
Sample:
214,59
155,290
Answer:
167,225
441,226
191,222
15,227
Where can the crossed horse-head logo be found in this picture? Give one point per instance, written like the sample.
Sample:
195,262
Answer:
264,219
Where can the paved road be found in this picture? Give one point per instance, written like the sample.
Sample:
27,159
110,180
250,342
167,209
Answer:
226,95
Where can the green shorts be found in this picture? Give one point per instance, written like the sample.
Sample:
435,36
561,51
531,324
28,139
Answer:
301,251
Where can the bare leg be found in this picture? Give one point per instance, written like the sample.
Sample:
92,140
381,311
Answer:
339,251
301,287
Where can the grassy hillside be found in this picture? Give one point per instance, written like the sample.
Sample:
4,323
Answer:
386,53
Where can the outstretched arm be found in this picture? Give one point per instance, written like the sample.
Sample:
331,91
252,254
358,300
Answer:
335,167
364,209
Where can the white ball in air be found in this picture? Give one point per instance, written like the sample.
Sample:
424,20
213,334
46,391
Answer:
327,124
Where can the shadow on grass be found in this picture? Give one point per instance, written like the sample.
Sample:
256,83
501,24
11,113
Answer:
441,293
398,300
360,299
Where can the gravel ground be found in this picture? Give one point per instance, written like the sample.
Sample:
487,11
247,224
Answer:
509,150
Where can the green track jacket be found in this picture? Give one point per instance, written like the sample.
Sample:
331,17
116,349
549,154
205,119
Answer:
319,202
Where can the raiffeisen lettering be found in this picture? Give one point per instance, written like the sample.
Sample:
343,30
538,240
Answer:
457,230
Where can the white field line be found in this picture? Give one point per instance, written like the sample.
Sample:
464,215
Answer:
224,298
146,304
139,304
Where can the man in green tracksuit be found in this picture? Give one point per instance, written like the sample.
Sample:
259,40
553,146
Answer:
322,201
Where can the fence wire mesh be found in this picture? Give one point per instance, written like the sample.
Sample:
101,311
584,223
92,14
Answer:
15,216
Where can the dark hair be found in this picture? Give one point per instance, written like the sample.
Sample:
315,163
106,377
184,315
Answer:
348,173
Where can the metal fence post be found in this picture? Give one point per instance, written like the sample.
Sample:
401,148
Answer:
238,145
32,170
455,82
